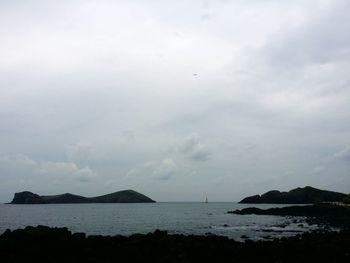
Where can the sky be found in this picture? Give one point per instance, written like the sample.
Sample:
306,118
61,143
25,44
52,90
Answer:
179,100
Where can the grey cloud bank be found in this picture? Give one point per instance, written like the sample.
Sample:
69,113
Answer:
176,100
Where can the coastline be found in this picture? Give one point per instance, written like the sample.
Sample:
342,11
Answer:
176,218
52,244
45,244
324,214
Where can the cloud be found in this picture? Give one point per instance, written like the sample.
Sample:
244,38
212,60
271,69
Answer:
164,170
192,147
158,170
80,151
23,165
318,170
322,40
20,159
342,155
128,135
66,168
200,155
289,173
280,83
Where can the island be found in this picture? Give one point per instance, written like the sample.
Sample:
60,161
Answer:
125,196
305,195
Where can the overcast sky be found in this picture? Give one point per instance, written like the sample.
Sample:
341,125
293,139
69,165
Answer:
178,100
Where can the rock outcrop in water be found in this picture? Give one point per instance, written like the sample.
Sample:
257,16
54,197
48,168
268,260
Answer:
322,214
306,195
126,196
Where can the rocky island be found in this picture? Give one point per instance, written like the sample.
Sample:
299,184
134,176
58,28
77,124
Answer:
125,196
305,195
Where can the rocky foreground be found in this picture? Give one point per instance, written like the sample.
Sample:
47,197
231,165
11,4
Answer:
44,244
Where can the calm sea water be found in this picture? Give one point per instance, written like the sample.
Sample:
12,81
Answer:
127,219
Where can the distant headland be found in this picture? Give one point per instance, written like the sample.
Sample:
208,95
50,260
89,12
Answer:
305,195
125,196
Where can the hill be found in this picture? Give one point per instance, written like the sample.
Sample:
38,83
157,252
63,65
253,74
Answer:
305,195
126,196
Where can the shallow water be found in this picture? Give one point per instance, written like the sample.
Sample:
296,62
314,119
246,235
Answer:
127,219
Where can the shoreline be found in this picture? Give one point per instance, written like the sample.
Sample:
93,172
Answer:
45,244
58,244
324,215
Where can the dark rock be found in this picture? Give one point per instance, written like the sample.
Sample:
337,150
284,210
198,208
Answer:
27,198
42,244
160,233
126,196
306,195
80,236
335,215
65,199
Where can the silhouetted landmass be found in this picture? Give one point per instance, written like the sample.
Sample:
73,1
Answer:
347,200
332,215
64,199
306,195
126,196
27,198
44,244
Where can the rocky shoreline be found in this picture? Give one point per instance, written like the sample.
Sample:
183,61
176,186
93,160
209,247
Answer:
325,215
45,244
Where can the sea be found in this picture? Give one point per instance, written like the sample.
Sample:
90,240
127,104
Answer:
176,218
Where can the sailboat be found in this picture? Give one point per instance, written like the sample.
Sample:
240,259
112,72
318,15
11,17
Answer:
206,200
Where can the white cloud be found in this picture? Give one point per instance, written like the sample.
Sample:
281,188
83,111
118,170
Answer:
20,159
344,154
66,168
80,151
164,170
192,147
26,166
128,135
106,85
318,169
158,170
289,173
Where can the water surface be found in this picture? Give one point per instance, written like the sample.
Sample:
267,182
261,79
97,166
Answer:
127,219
